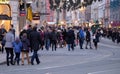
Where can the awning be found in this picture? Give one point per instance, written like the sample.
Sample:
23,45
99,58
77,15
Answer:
51,22
5,17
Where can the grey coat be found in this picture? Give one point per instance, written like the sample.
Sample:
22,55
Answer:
9,38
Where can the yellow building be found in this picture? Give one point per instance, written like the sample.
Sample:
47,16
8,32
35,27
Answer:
5,14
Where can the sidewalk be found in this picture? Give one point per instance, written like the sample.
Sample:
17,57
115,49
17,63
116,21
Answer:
2,58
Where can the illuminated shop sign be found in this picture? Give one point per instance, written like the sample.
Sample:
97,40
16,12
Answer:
4,1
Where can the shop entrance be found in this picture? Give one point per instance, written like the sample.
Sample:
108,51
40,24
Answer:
5,16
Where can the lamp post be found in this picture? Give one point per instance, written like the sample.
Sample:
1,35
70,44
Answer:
57,17
82,10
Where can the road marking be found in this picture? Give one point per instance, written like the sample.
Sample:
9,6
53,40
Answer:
99,72
111,46
59,66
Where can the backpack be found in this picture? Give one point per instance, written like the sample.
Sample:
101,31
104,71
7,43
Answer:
81,34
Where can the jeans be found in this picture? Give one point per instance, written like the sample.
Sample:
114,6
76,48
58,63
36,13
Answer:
47,44
9,51
81,41
35,56
71,46
54,45
17,57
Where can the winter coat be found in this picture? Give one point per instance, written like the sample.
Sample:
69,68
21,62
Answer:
35,40
17,46
70,37
53,36
88,36
9,38
26,44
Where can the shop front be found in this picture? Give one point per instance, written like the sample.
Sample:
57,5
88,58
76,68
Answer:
115,24
5,14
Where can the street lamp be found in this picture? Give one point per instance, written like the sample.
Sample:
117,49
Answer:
82,10
57,18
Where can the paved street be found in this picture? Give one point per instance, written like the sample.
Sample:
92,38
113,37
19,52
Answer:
105,60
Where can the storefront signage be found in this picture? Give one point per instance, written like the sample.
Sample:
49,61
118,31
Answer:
4,1
36,16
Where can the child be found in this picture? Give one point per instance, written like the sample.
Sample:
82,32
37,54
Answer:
17,46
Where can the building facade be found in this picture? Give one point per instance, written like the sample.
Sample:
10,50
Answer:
10,8
99,12
49,17
94,11
88,13
115,13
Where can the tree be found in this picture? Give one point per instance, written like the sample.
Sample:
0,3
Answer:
70,4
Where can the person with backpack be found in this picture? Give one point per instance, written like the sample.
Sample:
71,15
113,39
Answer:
81,37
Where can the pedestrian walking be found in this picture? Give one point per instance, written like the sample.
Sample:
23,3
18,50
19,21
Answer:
2,34
53,39
41,31
47,39
17,46
81,37
13,30
88,38
96,39
35,41
25,48
9,38
70,39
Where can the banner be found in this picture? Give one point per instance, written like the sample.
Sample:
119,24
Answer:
29,14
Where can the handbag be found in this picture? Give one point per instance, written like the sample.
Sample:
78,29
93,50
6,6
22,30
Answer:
95,40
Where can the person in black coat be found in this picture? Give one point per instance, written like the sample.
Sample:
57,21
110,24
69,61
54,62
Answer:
35,41
2,34
118,36
53,40
70,38
96,39
88,38
29,30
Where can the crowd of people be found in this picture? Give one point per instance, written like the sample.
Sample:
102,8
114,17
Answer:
51,37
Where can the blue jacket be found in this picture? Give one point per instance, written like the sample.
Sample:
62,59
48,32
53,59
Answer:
17,47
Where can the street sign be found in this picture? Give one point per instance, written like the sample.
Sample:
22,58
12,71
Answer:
22,9
22,13
44,13
36,16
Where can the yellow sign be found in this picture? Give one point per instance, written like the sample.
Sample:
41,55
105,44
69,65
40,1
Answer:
4,1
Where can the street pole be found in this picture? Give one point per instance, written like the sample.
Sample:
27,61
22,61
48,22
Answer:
57,17
25,11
